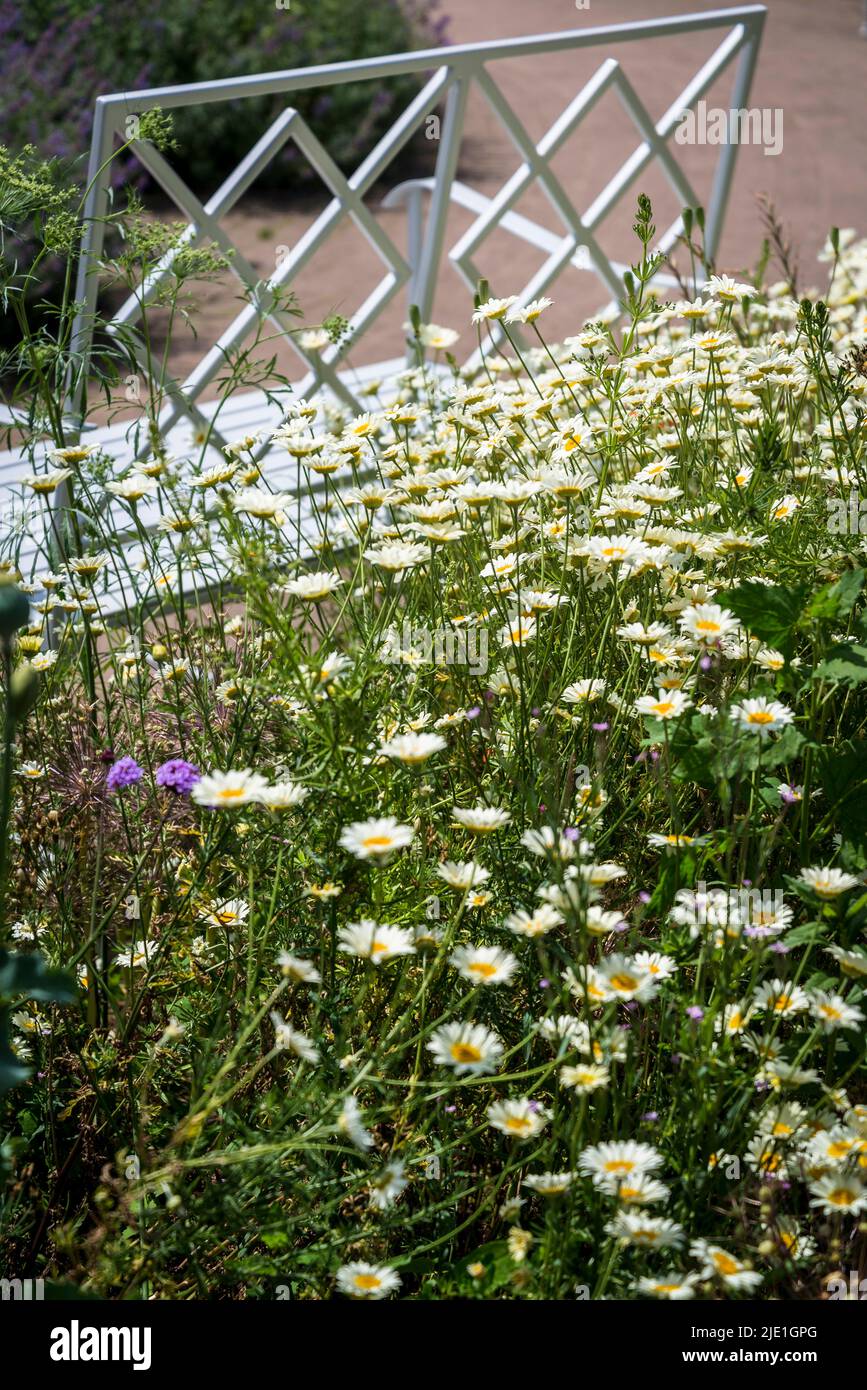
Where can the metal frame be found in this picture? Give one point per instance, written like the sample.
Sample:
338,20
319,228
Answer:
453,71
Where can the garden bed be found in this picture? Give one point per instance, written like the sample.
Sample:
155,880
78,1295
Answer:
477,910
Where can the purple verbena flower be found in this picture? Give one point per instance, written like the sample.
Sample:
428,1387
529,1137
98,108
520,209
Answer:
178,775
123,773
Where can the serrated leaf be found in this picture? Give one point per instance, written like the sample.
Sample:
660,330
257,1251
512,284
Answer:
784,749
838,599
847,662
769,611
807,935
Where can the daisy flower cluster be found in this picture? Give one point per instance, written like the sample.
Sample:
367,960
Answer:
469,898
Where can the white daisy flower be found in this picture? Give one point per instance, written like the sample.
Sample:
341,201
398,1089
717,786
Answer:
484,965
468,1048
372,941
521,1118
480,820
227,790
362,1280
376,839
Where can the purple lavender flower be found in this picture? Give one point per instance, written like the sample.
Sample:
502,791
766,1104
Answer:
695,1011
123,773
178,775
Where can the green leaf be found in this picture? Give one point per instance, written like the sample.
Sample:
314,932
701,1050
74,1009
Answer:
847,662
275,1240
838,599
62,1291
769,611
784,749
842,771
807,935
12,1071
28,977
676,870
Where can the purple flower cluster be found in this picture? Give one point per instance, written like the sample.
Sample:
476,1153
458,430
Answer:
123,773
179,776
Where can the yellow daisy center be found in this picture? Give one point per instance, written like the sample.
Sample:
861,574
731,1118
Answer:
624,982
839,1149
841,1197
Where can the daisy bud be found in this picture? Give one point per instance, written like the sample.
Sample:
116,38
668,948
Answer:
14,610
23,690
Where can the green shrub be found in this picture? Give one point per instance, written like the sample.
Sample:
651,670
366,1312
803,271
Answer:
57,58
